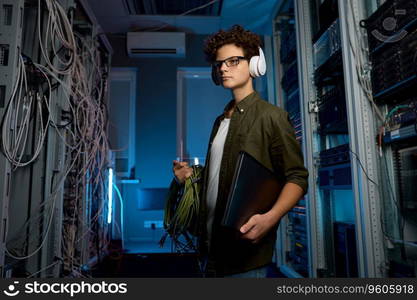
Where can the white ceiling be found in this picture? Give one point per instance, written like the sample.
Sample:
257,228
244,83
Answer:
254,15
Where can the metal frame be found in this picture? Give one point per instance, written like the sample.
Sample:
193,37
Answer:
282,241
362,132
310,146
277,72
12,36
306,90
53,170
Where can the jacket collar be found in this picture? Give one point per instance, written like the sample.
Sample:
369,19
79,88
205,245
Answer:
244,104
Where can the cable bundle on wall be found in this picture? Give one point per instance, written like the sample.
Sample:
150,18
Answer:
25,100
90,134
90,111
58,30
72,75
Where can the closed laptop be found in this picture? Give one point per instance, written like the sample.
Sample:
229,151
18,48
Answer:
254,190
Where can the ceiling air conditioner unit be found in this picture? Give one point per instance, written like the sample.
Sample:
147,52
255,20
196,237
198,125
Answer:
156,44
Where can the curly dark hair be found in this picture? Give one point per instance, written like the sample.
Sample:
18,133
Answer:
237,35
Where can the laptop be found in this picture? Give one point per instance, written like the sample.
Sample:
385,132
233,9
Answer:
254,190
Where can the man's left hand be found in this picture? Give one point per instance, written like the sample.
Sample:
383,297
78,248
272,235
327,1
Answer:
257,227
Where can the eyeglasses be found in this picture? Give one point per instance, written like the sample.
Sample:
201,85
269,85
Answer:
230,62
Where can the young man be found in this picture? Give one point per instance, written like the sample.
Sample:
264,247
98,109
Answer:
264,131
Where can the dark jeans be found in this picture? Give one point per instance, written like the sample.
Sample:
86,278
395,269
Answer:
209,271
255,273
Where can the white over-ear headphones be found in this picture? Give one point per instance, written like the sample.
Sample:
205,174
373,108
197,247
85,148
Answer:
257,67
257,64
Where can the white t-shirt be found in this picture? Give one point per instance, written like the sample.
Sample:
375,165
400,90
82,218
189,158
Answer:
216,154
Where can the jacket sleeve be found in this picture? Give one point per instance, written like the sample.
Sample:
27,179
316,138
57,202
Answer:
287,158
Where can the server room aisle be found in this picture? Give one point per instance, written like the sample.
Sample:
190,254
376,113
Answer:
119,264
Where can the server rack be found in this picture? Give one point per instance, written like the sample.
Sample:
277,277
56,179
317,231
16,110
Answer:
392,35
35,233
338,140
293,242
10,42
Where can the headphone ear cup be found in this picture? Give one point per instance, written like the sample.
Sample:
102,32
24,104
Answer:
253,69
215,76
261,65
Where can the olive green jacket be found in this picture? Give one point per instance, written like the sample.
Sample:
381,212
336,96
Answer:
264,131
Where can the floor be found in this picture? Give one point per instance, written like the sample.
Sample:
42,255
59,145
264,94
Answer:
148,260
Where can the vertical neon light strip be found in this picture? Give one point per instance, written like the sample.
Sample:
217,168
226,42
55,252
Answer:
110,206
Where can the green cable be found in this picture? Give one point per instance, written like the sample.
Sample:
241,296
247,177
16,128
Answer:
182,209
390,113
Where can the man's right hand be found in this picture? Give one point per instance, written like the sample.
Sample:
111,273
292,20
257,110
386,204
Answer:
181,171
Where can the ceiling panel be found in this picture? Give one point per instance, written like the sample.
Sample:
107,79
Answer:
178,7
120,16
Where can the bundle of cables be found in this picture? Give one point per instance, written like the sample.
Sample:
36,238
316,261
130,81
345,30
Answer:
65,90
181,211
